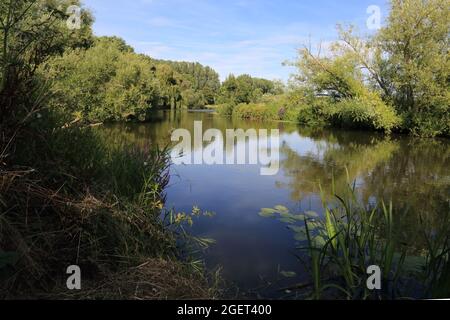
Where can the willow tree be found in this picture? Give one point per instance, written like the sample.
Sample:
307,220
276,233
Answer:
416,64
405,66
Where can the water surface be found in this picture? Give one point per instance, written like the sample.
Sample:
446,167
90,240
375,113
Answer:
253,250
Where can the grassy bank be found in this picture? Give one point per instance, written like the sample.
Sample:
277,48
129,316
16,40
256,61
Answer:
67,197
79,202
306,109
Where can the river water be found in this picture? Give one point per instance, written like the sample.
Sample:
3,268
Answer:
258,255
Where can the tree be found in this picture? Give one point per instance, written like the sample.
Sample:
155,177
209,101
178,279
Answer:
246,89
106,82
405,67
32,31
171,83
415,47
204,81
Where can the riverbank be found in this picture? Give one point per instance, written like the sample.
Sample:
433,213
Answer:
321,112
68,198
97,206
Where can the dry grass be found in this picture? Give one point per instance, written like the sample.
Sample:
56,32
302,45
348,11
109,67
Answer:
117,244
155,279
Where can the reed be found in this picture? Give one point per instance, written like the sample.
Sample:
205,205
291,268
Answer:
338,246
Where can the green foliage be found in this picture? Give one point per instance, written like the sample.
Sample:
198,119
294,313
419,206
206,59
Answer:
254,111
338,74
200,84
415,46
31,31
402,70
246,89
109,82
364,112
312,115
194,99
397,79
66,196
105,82
428,123
225,109
350,236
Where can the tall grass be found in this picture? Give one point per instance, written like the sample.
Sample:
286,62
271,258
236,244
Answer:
338,247
350,238
83,201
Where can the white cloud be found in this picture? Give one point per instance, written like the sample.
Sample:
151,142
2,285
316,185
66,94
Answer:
155,50
161,22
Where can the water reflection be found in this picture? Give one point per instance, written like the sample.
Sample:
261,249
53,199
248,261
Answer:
413,173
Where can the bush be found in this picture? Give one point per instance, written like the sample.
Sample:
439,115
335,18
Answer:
254,111
314,114
365,112
225,109
103,83
428,124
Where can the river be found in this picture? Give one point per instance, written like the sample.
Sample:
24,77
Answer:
257,254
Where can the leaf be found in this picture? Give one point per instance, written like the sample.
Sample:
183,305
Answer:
296,228
288,274
312,214
287,220
286,217
267,213
313,225
319,242
299,217
331,230
281,209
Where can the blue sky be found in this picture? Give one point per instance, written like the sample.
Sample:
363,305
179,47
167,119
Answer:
232,36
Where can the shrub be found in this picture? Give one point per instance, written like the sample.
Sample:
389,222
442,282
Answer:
428,124
254,111
225,109
365,112
103,83
314,114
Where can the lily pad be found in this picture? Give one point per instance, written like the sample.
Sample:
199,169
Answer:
312,214
297,228
267,212
300,236
288,274
281,209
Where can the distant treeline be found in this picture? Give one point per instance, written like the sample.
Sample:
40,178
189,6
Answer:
106,80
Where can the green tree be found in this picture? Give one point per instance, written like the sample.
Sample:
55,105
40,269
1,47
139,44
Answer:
199,84
105,82
246,89
403,70
416,64
31,31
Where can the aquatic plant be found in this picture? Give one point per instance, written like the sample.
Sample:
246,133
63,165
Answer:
338,246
